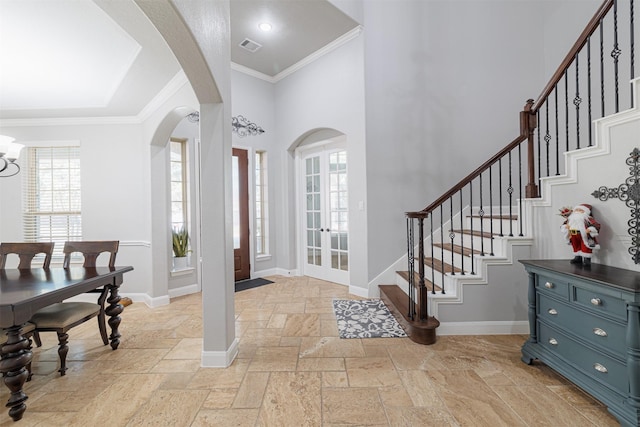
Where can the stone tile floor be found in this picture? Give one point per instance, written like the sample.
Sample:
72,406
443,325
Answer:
292,370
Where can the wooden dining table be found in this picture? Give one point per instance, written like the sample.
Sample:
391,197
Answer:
25,291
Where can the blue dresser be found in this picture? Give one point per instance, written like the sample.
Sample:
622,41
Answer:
585,323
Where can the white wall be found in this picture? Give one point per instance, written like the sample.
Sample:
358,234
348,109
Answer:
328,93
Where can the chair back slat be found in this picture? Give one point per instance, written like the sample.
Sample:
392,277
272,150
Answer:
26,251
91,250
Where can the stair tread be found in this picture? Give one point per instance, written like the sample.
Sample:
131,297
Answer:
513,217
466,251
439,266
416,280
477,233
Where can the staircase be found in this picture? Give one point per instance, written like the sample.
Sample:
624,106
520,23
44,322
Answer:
476,225
454,257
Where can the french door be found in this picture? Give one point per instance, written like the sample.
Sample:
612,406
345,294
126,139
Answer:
325,214
241,253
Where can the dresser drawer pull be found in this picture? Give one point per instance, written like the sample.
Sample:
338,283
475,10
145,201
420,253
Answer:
600,368
596,301
549,285
600,332
553,311
553,341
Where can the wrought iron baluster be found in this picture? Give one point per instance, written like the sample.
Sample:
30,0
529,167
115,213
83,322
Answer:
555,91
632,47
461,235
577,101
422,293
473,264
433,267
441,248
411,268
520,188
452,235
602,104
481,214
547,135
566,107
500,192
615,54
510,191
539,148
589,90
491,206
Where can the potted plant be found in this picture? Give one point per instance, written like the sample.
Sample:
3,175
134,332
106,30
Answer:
180,243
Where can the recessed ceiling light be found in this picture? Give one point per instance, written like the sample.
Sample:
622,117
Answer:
265,26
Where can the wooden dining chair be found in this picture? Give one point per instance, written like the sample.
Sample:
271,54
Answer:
61,317
91,250
26,251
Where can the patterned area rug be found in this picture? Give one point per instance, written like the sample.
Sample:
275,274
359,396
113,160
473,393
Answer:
366,319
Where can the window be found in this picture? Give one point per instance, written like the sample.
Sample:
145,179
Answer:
262,224
52,199
179,202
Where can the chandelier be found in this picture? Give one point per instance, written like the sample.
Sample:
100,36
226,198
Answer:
9,153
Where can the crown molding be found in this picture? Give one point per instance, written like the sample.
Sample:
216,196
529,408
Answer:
253,73
70,121
345,38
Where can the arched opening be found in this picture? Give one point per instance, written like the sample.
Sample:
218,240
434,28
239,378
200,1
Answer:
181,29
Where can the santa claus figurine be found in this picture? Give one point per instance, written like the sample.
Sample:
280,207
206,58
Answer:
581,229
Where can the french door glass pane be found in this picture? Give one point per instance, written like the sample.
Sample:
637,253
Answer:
338,207
312,193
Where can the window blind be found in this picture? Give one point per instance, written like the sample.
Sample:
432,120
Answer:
52,195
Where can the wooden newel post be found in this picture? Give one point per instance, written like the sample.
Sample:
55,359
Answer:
528,124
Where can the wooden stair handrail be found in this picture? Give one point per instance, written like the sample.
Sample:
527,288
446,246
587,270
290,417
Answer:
469,177
591,27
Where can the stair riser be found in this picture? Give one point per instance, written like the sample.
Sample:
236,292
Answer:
438,278
437,275
457,258
486,225
477,242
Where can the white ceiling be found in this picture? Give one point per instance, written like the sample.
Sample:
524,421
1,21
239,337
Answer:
101,58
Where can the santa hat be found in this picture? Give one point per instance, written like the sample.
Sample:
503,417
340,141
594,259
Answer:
585,207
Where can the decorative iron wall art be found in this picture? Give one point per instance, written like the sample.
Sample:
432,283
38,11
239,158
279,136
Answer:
239,125
244,127
629,192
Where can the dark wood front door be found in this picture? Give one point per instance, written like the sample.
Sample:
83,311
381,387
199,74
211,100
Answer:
241,214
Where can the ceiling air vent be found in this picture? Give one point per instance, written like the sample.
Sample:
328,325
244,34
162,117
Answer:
250,45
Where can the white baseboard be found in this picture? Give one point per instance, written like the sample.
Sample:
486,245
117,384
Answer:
184,290
135,297
484,328
220,359
361,292
275,272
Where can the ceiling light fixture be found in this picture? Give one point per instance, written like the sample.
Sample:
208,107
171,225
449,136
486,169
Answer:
265,26
9,153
